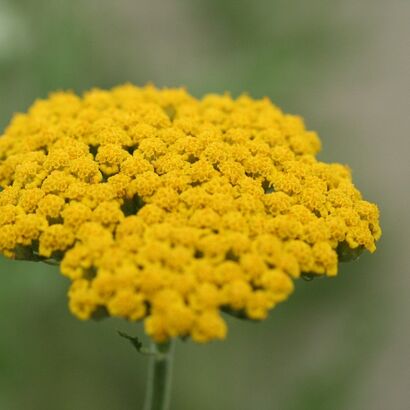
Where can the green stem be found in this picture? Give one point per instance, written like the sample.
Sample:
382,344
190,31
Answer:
159,377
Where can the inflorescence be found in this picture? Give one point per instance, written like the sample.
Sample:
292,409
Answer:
168,209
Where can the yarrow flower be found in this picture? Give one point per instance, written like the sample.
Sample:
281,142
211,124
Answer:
170,209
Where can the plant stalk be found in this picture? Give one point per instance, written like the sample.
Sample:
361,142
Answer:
158,392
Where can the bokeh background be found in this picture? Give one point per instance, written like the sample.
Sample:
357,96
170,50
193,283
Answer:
339,344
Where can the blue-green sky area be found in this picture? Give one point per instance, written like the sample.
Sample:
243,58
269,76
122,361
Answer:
336,344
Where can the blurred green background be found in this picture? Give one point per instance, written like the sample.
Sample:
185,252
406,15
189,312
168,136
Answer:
339,344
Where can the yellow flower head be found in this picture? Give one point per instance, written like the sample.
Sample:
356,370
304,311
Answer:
168,209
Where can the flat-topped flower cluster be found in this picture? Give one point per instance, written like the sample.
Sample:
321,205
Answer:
168,209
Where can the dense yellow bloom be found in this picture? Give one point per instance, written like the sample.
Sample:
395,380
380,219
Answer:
168,209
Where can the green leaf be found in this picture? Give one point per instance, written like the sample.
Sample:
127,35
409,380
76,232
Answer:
347,254
136,342
238,314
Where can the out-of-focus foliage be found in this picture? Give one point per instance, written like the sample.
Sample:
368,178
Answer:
341,65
